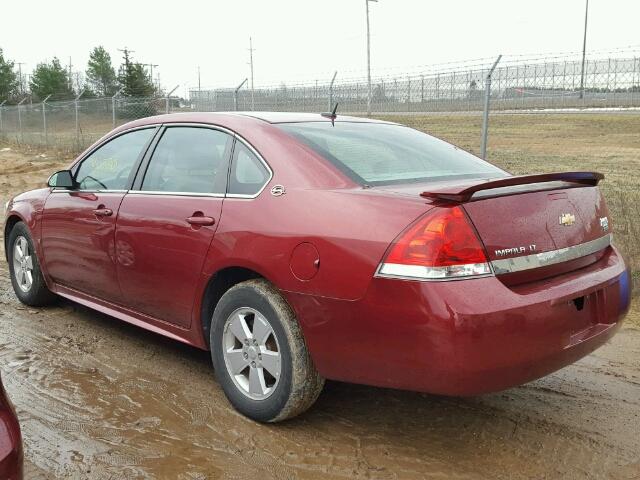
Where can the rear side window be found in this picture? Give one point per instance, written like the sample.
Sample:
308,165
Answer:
379,154
109,167
248,173
189,160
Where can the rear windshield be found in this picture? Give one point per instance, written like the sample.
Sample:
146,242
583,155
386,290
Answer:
380,154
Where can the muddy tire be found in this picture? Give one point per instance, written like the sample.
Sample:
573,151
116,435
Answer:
24,268
259,354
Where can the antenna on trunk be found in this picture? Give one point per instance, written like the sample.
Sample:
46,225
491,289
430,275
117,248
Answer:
332,115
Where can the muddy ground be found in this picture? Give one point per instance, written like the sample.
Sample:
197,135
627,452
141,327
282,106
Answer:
100,399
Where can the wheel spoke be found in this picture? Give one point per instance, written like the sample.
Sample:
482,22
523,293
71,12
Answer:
20,276
236,361
261,330
271,362
29,262
28,279
257,384
239,328
24,246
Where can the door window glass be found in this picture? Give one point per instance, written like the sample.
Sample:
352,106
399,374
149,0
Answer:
109,167
189,160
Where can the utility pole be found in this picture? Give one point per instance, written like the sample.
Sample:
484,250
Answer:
251,64
584,48
20,76
368,59
70,75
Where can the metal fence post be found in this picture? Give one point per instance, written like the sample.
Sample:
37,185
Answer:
331,90
633,85
76,106
44,118
485,117
1,106
20,117
235,94
113,107
167,99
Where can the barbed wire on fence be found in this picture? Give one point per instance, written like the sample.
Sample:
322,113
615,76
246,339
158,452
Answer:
520,83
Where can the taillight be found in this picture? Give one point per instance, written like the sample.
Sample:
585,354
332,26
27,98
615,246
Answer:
441,245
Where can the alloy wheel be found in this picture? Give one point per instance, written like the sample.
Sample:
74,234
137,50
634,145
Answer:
251,353
23,264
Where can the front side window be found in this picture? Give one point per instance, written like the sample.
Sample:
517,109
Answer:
248,173
379,154
109,167
189,160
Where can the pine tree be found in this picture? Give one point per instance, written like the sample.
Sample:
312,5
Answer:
101,77
51,79
134,80
8,79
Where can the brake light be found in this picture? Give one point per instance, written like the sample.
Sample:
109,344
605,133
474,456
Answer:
441,245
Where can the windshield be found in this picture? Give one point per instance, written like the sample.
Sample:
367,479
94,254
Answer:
379,154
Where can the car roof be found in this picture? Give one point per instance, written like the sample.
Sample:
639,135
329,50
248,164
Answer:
269,117
292,117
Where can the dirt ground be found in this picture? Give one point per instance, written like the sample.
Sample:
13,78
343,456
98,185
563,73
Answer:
101,399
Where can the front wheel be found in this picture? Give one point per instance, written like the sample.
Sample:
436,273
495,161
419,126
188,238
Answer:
24,267
259,354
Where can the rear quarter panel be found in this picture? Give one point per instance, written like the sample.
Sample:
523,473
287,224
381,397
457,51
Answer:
350,228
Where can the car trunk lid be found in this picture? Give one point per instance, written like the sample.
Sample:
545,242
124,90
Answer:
532,226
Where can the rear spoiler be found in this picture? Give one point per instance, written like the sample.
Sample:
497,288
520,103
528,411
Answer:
464,193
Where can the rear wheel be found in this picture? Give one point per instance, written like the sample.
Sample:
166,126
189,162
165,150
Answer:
24,267
259,354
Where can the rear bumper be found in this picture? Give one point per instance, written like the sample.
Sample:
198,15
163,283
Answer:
465,337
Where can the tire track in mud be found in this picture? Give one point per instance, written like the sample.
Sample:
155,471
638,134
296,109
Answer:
100,399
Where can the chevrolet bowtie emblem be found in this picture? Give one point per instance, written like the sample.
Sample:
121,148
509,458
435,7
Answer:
567,219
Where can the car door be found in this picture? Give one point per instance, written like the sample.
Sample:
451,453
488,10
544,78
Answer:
167,221
78,225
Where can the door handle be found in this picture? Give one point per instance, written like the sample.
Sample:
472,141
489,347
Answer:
200,220
103,212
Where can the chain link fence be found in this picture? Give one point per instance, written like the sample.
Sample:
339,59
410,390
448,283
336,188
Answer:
611,83
516,85
73,124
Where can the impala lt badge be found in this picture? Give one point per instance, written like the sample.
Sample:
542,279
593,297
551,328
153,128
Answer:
567,219
604,223
516,250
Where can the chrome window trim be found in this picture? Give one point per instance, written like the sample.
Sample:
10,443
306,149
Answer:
176,194
66,190
217,195
544,259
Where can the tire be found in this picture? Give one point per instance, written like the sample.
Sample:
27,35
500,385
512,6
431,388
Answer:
34,292
292,389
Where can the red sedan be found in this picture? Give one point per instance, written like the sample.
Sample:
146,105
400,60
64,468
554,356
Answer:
10,440
299,247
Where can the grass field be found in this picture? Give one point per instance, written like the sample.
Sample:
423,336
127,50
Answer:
549,143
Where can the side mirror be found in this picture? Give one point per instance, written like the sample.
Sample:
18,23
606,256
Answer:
63,179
